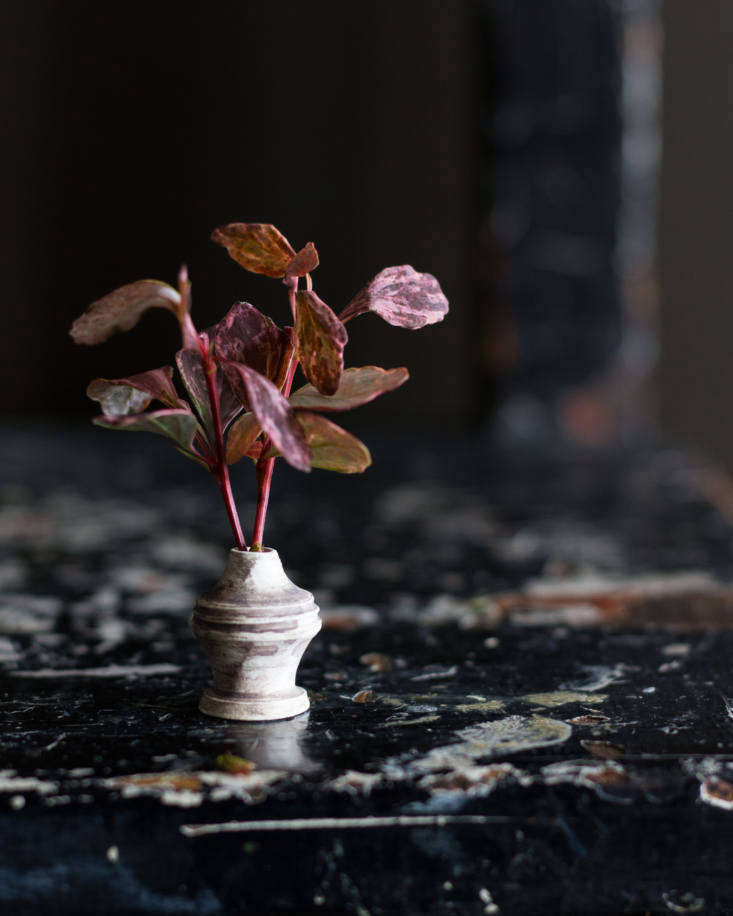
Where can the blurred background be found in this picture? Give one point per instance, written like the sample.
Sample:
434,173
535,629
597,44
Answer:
561,167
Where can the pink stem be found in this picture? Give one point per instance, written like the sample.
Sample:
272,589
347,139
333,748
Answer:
221,471
266,466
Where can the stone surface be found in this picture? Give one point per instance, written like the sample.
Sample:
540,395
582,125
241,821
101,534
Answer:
520,701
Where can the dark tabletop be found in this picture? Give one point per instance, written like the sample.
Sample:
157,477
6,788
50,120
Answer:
521,700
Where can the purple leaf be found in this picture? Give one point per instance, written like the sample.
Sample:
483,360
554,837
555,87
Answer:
191,366
247,336
258,247
358,386
320,339
229,404
123,396
331,447
242,436
179,425
402,296
272,412
121,310
303,263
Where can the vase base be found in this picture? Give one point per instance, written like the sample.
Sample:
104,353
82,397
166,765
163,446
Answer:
254,709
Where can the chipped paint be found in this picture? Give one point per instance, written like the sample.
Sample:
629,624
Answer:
421,720
493,739
479,704
557,698
598,677
717,792
108,671
597,775
354,782
190,789
472,781
9,782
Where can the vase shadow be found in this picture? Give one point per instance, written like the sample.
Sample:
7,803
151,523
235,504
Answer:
274,745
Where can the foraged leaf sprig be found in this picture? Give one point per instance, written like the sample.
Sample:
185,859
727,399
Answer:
238,375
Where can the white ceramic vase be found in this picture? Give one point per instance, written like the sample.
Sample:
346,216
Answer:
254,626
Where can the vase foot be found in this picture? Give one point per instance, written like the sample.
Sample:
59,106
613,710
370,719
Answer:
254,709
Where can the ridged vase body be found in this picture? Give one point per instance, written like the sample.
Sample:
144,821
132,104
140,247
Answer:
254,626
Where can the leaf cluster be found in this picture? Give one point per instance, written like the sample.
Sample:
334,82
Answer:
235,398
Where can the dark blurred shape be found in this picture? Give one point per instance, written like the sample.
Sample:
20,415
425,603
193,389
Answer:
552,142
133,130
696,266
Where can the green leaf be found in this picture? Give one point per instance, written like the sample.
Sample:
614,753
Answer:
121,310
358,386
320,339
258,247
242,436
123,396
178,425
332,448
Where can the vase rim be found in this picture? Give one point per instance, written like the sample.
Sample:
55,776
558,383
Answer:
252,553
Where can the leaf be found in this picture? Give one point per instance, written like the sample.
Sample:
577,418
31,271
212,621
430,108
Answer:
229,404
191,366
272,412
402,296
331,447
303,263
247,336
242,436
123,396
358,386
320,339
258,247
121,310
179,425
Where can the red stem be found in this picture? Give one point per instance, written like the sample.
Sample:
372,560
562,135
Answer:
217,464
220,470
266,466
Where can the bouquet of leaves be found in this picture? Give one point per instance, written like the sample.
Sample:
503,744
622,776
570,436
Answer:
238,375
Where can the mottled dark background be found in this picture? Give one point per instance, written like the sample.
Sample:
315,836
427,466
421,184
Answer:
511,147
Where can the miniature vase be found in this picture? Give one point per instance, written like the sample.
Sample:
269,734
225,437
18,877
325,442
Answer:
254,626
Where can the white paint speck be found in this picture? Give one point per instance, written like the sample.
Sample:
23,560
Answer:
113,854
108,671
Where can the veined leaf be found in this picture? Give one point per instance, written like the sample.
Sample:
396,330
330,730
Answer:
320,339
242,436
272,412
191,366
121,310
258,247
402,296
123,396
358,386
303,263
229,404
331,447
248,337
178,425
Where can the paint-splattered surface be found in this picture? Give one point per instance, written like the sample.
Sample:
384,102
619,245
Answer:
522,698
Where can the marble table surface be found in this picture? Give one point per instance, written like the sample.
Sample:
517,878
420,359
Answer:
521,698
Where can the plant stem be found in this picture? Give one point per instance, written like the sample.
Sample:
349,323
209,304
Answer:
221,471
266,466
